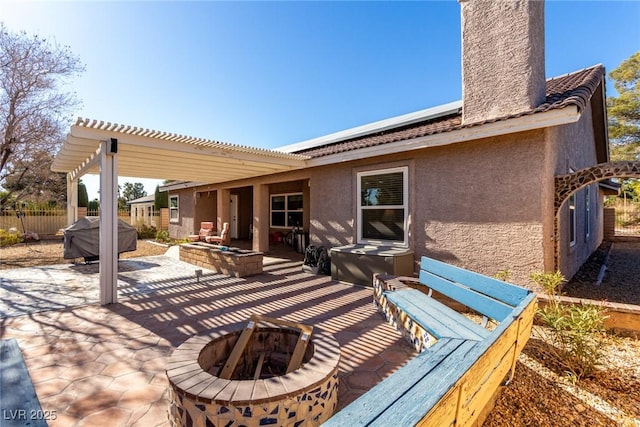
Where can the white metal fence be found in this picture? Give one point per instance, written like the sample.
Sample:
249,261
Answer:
41,221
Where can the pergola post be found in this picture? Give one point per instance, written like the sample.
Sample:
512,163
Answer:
223,207
108,221
72,200
260,218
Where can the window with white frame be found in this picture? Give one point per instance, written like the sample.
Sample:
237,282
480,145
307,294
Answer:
286,210
572,220
174,208
383,206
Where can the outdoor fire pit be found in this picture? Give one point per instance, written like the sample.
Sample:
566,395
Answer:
264,372
222,259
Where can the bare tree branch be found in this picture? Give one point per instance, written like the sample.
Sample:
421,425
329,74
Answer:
33,111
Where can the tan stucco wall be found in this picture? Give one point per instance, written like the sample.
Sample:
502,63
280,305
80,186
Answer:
332,206
575,149
477,204
481,205
185,223
502,58
486,205
205,209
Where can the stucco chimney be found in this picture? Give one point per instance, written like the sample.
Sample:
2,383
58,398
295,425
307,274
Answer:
502,57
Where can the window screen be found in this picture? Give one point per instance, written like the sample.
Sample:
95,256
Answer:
383,206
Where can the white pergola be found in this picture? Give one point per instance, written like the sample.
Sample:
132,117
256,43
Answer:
112,150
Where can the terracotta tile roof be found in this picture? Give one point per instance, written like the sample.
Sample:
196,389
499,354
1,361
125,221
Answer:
574,89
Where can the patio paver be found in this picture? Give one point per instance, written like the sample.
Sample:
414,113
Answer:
94,365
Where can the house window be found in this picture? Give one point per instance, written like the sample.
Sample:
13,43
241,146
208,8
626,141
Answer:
383,206
572,220
173,209
286,210
587,213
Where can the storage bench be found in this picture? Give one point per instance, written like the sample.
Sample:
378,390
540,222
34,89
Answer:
461,363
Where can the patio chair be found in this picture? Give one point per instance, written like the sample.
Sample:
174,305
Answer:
223,238
206,229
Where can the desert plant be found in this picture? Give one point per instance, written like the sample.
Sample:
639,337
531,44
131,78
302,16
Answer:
9,238
163,236
504,275
146,231
575,333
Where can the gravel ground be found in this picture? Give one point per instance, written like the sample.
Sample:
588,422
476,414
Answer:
621,282
540,393
48,252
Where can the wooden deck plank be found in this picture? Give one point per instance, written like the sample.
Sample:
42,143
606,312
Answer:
365,409
304,338
483,304
410,408
440,320
455,390
505,292
238,349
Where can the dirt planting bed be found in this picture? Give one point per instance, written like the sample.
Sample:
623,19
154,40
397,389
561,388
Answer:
48,252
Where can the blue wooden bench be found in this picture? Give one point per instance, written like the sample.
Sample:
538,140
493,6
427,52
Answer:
461,363
19,404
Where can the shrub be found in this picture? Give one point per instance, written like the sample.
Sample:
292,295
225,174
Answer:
9,238
146,231
163,236
575,333
504,275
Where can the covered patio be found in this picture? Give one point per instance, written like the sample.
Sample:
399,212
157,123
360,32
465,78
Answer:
113,150
105,365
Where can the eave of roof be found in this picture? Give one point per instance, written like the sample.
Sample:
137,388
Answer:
571,91
156,154
144,199
376,127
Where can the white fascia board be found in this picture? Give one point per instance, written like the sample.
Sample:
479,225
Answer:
283,160
379,126
503,127
181,186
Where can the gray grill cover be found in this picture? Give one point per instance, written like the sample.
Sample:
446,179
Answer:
82,238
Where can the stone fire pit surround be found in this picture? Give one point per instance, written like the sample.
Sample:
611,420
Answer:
307,396
222,259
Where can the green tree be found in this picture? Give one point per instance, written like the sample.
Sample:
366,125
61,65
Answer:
624,110
133,191
161,199
34,111
129,193
631,190
83,196
93,206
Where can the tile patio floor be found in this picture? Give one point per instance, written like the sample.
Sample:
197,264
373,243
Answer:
105,366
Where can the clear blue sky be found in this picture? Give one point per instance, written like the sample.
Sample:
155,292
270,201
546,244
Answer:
269,74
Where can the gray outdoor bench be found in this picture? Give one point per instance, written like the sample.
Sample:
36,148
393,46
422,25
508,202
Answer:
461,364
